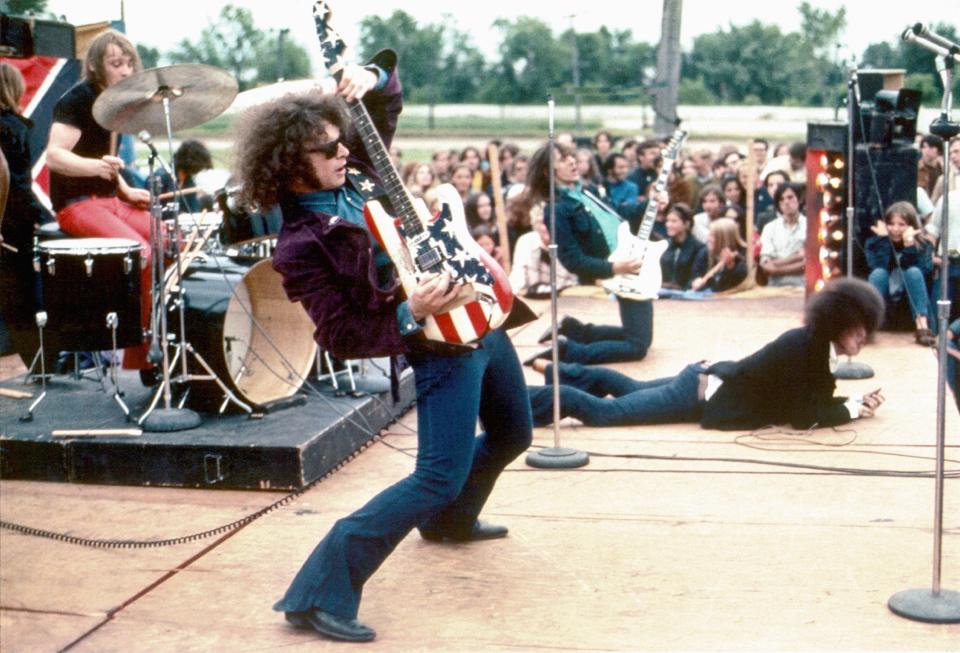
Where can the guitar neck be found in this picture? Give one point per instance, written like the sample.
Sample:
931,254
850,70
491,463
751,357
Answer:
399,196
650,215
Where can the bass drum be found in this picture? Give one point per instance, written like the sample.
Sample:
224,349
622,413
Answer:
239,319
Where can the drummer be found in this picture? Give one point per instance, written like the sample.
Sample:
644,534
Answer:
88,193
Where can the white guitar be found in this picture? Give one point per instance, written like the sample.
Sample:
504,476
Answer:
646,283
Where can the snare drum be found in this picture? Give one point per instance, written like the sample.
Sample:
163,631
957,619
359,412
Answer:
240,321
84,279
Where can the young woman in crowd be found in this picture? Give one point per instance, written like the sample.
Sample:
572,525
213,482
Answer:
722,264
479,210
901,261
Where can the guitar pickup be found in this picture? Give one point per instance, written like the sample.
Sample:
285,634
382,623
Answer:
429,259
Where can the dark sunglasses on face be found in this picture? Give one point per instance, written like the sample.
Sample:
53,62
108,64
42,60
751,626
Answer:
328,149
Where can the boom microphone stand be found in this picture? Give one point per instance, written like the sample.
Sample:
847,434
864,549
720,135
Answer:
936,605
555,457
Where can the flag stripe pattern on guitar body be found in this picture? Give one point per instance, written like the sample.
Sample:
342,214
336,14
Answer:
417,242
646,283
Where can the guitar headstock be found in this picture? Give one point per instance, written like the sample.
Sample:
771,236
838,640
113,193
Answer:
332,46
672,149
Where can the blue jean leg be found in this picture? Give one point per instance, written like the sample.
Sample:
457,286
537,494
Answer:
448,404
508,430
592,344
916,288
661,401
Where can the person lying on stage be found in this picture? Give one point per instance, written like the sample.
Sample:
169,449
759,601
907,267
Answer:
300,152
788,381
88,193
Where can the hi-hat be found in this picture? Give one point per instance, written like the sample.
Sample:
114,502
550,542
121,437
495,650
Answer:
196,93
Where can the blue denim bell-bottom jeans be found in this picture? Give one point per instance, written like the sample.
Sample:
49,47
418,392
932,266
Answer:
595,344
598,396
454,474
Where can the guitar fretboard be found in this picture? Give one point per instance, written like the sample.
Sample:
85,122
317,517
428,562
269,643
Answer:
380,157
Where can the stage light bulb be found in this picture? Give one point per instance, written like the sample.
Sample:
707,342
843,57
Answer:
824,161
838,235
819,284
838,164
835,182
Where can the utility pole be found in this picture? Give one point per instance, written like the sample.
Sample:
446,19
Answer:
668,69
576,73
280,62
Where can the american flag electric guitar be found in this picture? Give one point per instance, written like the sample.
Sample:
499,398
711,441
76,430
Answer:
417,242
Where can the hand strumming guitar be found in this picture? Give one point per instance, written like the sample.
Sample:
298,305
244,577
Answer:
434,292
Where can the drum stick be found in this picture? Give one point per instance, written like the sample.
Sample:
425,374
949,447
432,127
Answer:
82,433
14,394
173,193
493,156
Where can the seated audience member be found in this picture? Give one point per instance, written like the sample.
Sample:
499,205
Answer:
788,381
479,210
530,271
901,261
733,190
677,261
648,155
794,163
440,163
602,147
629,150
933,229
506,153
622,194
420,179
486,236
460,177
760,149
722,264
590,173
764,210
190,159
731,162
702,161
782,241
712,203
470,156
930,166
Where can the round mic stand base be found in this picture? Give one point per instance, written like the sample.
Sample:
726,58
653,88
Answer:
163,420
853,370
557,458
923,605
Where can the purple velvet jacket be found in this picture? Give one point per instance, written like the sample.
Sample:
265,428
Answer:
327,263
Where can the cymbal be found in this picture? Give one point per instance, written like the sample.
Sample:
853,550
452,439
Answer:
196,94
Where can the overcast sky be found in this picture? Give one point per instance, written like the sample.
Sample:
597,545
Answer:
162,23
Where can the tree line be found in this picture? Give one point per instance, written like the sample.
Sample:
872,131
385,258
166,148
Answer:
755,63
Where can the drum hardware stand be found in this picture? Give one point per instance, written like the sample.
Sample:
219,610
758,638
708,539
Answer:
41,322
112,323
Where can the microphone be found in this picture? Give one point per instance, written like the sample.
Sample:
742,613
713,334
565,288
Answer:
925,39
144,137
922,30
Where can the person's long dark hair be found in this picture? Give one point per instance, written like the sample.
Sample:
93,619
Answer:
844,304
538,172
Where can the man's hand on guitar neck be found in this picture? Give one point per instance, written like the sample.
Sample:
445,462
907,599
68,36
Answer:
434,292
627,267
354,83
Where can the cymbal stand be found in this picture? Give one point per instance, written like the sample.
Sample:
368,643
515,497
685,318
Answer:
169,418
41,322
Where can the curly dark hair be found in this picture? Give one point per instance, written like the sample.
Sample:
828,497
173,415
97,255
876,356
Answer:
271,149
844,304
191,157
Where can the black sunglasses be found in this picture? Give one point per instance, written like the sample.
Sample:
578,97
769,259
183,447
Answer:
328,149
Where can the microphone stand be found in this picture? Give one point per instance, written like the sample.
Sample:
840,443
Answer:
850,369
937,605
555,457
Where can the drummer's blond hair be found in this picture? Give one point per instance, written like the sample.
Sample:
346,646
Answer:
93,68
11,87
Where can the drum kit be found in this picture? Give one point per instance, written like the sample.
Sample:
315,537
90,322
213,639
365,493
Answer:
220,314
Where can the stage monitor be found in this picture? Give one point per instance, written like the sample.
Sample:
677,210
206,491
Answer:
22,37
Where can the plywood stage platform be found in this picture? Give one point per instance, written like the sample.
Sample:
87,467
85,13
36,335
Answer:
671,539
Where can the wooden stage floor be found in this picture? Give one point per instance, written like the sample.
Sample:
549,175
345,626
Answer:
671,539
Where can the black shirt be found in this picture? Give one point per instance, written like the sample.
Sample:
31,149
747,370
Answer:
75,108
23,210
